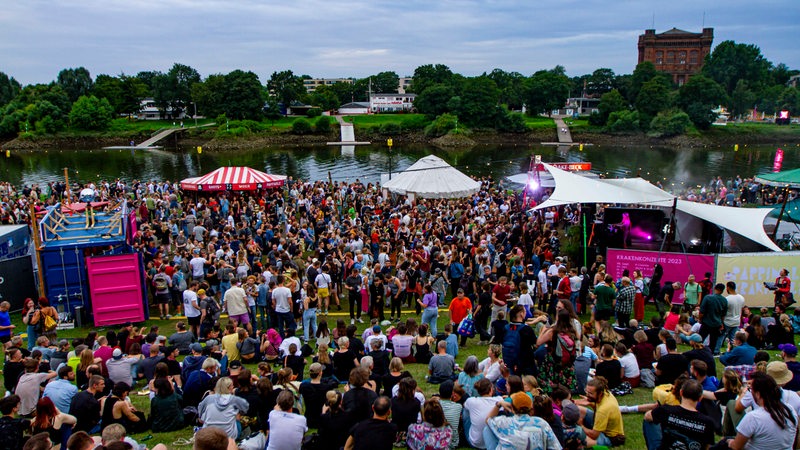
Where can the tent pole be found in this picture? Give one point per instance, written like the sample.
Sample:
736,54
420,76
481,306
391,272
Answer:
783,208
36,244
585,262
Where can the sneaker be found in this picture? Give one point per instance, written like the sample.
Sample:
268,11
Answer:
168,316
391,318
161,317
353,321
299,327
360,321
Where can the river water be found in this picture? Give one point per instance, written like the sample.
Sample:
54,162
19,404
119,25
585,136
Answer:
675,168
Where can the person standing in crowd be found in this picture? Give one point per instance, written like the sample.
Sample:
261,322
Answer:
623,304
712,311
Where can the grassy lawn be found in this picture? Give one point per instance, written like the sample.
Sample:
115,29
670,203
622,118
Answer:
539,122
376,120
632,422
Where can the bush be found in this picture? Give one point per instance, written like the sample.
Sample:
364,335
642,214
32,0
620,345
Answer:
323,124
670,123
596,119
301,126
441,125
390,128
91,113
416,122
314,112
509,122
623,121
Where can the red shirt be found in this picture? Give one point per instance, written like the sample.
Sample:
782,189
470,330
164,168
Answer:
564,288
501,293
459,309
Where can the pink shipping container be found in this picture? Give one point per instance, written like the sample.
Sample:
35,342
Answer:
115,285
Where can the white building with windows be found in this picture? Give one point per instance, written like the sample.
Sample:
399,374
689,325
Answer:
311,84
379,103
149,111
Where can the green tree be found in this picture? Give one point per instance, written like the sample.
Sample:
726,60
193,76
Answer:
91,113
441,125
110,88
731,62
610,102
623,122
148,77
345,92
653,98
430,74
209,95
600,82
323,124
243,96
511,86
75,82
742,99
669,123
271,111
434,99
781,73
546,90
286,87
382,83
790,100
9,88
767,100
477,102
698,97
643,73
301,126
325,98
133,91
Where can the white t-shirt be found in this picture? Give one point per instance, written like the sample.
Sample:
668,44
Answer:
292,428
190,296
575,283
283,299
733,316
322,281
284,347
630,365
525,299
478,409
543,281
764,432
788,398
491,371
197,263
552,270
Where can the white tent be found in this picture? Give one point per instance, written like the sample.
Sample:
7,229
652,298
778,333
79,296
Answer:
545,179
571,188
432,177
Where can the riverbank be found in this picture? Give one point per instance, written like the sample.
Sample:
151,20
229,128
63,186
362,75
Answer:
211,140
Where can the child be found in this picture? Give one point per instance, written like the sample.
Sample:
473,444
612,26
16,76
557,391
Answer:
499,328
451,340
531,386
661,350
525,300
574,436
630,365
643,351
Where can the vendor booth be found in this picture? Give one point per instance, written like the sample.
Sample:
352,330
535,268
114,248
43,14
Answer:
233,179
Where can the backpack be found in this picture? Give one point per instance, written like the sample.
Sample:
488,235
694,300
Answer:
179,282
511,344
646,288
50,324
160,283
565,350
212,308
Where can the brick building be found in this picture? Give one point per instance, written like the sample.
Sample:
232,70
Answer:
676,52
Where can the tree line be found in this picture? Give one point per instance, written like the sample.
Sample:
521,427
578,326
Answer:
734,75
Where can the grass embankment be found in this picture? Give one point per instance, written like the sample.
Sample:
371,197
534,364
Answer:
632,422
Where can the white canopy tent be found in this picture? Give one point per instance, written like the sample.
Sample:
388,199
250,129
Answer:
571,189
432,177
545,179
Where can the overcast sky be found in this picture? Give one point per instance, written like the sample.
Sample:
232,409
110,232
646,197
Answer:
355,38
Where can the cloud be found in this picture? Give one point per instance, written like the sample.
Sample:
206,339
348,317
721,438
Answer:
335,38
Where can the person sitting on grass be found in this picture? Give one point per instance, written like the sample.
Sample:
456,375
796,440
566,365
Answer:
442,366
222,408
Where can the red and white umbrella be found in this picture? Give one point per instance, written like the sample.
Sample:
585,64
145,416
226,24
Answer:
233,179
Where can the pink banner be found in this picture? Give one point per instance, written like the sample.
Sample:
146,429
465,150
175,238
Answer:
778,162
677,266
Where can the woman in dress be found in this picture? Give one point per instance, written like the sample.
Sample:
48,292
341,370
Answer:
552,371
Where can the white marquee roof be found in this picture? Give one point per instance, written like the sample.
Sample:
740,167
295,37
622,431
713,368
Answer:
571,188
432,177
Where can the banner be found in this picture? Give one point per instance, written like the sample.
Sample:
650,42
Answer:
750,270
677,266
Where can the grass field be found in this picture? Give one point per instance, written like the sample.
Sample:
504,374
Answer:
539,122
632,422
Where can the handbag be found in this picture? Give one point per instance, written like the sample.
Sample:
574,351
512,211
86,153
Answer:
466,327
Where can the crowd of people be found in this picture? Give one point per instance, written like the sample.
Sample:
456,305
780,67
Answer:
550,346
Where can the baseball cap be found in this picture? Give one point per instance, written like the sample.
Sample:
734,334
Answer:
521,400
376,328
570,412
789,349
201,292
197,348
117,353
235,365
695,338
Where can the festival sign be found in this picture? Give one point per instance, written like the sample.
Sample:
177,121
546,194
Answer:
750,270
568,166
677,266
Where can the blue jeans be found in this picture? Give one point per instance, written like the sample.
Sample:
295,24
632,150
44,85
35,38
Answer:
429,317
285,319
223,288
588,421
652,435
573,298
309,323
32,336
727,333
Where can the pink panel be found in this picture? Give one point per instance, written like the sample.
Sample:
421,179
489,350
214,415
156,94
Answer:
116,289
676,265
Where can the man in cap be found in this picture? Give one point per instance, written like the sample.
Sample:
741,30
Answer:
194,361
519,430
789,356
119,367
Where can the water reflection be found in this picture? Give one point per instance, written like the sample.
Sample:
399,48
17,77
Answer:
681,168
